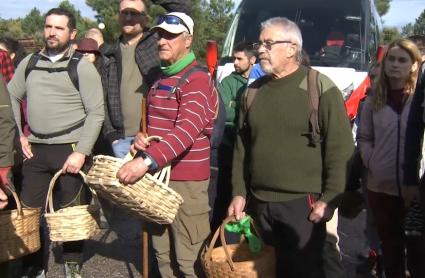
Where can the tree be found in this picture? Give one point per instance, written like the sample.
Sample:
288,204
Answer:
407,30
11,28
212,19
33,22
107,12
83,24
382,6
419,26
390,34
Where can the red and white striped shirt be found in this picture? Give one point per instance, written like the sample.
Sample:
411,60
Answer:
184,119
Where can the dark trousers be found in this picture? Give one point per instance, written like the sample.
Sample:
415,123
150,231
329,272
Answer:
37,173
298,242
389,213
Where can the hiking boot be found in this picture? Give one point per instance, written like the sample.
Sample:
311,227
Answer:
72,270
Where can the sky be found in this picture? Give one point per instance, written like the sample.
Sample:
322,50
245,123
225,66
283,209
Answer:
401,11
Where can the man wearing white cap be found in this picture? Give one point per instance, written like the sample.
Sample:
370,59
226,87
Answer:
135,68
182,106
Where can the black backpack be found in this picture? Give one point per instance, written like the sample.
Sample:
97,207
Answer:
71,68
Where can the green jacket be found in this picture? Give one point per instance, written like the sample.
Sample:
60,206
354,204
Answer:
281,165
231,89
7,127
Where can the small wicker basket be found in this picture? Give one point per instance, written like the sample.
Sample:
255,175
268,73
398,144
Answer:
71,223
149,198
236,260
19,231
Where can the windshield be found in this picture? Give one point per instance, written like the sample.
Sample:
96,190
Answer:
332,30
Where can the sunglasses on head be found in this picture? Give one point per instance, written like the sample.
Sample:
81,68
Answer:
173,20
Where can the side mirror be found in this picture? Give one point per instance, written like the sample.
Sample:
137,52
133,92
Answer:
212,56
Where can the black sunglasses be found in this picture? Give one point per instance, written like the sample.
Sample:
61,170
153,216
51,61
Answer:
132,13
172,19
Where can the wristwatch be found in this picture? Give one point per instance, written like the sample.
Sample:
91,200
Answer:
148,161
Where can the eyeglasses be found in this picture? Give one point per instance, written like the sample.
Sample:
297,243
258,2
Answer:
267,44
172,19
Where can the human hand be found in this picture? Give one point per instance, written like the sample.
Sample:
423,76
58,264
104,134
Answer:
236,207
409,193
318,210
73,163
132,171
3,199
140,142
4,181
4,173
26,147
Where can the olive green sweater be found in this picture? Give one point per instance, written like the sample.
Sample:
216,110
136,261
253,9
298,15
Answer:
7,127
281,165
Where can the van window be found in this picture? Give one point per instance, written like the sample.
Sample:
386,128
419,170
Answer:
333,31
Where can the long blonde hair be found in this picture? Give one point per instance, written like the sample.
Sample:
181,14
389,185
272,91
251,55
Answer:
382,84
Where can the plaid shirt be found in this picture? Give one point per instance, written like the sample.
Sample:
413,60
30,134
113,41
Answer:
147,59
6,66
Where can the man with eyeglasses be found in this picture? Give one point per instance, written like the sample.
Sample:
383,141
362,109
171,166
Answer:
181,109
292,182
134,67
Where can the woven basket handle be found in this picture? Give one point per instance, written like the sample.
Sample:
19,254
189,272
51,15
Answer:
17,201
220,231
49,199
162,175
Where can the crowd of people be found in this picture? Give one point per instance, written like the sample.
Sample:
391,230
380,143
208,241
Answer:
284,159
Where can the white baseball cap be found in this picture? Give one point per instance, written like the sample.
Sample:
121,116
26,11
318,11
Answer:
175,23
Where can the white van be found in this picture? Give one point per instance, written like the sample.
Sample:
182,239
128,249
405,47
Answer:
341,38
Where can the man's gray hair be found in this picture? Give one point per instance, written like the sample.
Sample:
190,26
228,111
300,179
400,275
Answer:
289,29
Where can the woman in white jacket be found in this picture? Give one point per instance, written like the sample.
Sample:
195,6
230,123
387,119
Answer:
381,137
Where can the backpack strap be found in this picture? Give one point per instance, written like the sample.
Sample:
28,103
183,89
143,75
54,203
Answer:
182,80
251,92
31,63
314,98
71,68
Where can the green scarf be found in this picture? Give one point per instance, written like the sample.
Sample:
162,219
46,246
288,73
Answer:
179,65
243,226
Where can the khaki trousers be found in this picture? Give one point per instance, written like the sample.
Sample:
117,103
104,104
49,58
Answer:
178,246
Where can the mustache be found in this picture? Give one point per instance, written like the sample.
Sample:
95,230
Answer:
263,57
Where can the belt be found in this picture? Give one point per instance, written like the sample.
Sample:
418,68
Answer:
57,133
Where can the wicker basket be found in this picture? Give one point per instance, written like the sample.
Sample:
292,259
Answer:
19,231
149,198
71,223
236,260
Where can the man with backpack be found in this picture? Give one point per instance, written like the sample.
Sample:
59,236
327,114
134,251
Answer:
291,152
181,107
65,114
